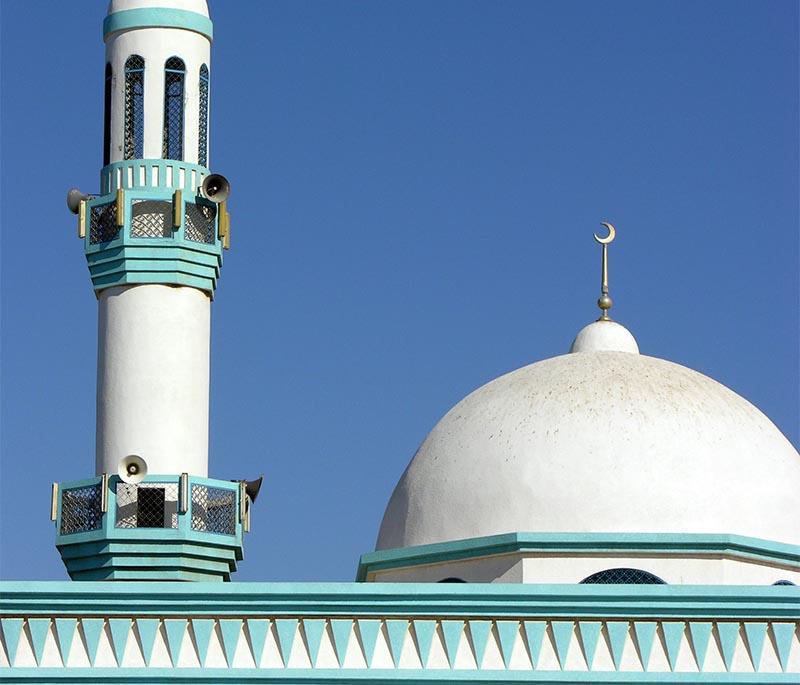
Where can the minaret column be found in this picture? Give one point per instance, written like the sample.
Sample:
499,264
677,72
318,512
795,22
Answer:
153,378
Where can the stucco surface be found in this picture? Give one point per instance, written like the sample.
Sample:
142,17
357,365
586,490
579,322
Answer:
598,442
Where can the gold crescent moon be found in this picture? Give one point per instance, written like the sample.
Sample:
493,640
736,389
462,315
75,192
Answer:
612,233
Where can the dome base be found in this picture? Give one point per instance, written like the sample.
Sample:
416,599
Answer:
679,559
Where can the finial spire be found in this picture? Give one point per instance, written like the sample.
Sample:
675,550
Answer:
605,302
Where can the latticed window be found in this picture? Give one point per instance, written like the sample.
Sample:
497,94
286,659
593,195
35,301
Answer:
202,142
134,108
213,509
81,510
151,219
200,226
174,75
107,115
623,576
103,223
147,505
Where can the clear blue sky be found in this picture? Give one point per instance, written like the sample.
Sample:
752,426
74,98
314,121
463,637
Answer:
415,185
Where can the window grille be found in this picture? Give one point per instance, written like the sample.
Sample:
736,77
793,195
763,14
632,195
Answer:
147,505
202,144
81,510
151,219
174,73
200,225
134,107
213,510
783,582
107,116
623,576
103,223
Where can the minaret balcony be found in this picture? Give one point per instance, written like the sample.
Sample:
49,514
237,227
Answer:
162,528
152,225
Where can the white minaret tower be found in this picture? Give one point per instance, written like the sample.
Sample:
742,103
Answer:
153,238
153,337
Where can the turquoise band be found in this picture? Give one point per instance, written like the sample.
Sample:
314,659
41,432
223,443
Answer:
160,17
738,546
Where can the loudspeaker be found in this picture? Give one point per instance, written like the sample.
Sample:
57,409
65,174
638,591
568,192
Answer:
216,188
132,469
251,487
74,197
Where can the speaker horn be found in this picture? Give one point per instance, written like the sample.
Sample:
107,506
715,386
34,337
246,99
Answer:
132,469
252,487
215,187
74,199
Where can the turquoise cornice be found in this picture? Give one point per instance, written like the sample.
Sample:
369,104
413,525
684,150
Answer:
559,633
677,544
188,676
158,17
745,602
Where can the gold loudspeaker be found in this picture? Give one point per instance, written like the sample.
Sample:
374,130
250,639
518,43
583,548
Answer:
132,469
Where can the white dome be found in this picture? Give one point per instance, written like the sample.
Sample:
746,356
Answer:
199,6
601,441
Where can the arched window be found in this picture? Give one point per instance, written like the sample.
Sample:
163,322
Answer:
452,579
107,116
622,576
783,582
172,142
202,141
134,107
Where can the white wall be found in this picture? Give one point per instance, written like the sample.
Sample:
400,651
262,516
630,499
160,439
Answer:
153,378
573,568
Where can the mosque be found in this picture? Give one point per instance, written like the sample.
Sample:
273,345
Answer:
602,516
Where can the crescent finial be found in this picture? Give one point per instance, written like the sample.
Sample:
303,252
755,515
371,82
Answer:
612,233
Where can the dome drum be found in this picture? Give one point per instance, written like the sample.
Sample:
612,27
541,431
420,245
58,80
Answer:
564,558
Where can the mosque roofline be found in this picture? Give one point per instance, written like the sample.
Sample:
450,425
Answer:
48,598
681,544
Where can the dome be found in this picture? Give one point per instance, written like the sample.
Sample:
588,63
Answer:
604,335
199,6
601,441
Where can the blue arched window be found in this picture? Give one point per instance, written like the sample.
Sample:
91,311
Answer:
621,576
134,107
202,141
107,115
172,141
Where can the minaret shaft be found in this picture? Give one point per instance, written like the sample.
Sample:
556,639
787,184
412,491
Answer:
153,378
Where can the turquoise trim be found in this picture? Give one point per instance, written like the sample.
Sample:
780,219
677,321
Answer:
534,633
189,676
680,544
161,17
751,604
127,174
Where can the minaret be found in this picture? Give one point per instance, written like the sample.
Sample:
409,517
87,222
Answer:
153,238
